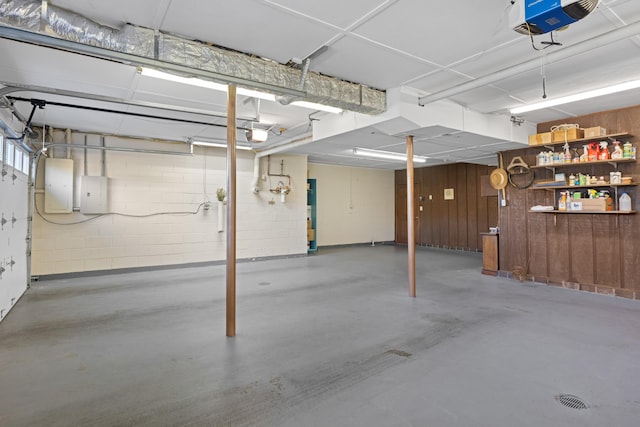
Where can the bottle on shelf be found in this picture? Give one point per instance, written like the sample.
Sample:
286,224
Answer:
604,151
584,157
567,153
562,201
624,203
617,152
593,150
576,156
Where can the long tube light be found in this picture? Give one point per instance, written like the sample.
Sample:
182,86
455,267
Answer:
387,155
634,84
194,81
219,145
315,106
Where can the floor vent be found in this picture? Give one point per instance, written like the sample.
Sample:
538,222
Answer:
571,401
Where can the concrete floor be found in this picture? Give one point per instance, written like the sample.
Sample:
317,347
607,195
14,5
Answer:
325,340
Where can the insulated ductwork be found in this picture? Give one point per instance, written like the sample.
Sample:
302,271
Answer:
43,18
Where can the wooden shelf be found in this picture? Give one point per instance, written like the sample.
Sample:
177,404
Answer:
586,212
590,139
564,187
583,164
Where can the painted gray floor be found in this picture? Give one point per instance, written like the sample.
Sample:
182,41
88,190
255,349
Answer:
326,340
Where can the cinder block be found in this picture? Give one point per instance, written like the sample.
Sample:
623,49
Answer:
97,264
69,242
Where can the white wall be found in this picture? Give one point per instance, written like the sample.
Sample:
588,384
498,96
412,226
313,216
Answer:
355,205
142,184
13,246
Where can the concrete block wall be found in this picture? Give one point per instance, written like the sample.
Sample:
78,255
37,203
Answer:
142,184
354,205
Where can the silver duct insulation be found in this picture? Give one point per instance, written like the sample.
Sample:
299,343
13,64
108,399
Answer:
28,15
58,22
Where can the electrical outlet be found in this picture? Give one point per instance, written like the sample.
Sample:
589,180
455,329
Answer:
503,203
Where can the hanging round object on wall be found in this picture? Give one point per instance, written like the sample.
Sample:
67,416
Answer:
498,178
519,173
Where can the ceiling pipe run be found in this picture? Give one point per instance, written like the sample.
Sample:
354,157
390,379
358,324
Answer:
13,88
125,113
588,45
284,146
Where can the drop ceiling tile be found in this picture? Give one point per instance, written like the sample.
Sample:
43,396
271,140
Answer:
439,34
507,55
626,10
354,59
477,97
248,26
157,128
350,12
438,80
23,64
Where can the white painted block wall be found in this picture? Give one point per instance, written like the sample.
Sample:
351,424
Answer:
354,205
144,184
13,246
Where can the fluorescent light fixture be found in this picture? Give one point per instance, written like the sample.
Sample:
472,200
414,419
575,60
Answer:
387,155
257,135
314,106
578,97
219,145
194,81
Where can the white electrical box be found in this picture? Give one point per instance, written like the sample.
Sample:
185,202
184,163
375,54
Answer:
58,185
93,195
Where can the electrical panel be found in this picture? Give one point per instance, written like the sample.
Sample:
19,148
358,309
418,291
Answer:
58,185
93,195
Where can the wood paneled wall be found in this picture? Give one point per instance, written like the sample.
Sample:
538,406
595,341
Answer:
593,252
456,223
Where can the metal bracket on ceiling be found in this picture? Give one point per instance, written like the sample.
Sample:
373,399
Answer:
44,9
516,120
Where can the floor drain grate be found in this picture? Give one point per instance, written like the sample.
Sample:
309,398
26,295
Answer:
571,401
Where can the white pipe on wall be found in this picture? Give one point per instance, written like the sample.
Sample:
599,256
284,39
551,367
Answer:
285,145
220,216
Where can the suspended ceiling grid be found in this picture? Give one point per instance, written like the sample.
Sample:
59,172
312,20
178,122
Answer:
425,46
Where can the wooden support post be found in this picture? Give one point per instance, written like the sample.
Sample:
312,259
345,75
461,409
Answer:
411,238
231,212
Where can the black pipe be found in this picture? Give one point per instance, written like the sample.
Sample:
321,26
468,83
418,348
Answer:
126,113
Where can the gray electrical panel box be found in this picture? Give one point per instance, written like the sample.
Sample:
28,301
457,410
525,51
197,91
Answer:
58,185
93,195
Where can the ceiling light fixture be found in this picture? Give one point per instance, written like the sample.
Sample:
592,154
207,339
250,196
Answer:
578,97
257,135
194,81
315,106
387,155
219,145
